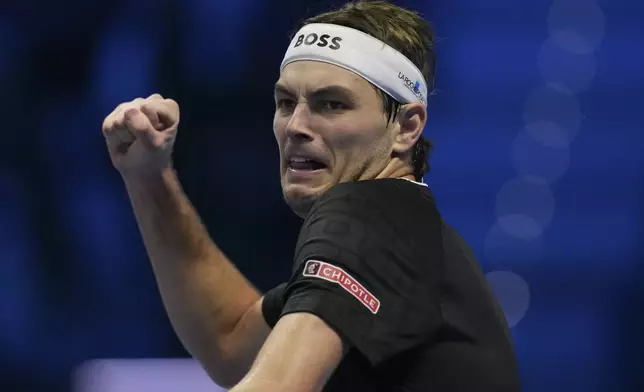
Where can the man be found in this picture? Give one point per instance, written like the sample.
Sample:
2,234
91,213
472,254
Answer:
384,296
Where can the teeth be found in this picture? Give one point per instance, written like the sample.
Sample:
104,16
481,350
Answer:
299,159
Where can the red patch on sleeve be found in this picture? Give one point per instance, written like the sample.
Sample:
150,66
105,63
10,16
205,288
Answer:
331,273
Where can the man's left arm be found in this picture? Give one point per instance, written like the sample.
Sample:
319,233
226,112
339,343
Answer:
299,355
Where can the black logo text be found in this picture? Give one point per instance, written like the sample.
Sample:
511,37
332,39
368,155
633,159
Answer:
321,41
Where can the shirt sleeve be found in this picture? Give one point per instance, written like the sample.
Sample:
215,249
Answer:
357,269
273,304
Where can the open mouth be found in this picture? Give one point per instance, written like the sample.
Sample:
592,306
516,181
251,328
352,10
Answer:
305,164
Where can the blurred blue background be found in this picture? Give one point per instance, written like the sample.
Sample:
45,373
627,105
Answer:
538,136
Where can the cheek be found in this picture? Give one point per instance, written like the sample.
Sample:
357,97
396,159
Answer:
279,126
359,137
344,139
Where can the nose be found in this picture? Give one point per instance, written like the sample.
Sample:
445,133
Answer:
298,127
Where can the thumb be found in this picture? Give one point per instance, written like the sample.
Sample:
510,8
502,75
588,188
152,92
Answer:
140,126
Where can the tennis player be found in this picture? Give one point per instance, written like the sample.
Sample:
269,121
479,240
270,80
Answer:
384,295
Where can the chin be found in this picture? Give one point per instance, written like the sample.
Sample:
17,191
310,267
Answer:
301,197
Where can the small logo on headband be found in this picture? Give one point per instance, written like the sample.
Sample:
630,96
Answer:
319,40
412,86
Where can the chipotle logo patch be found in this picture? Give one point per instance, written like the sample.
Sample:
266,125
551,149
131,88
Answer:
331,273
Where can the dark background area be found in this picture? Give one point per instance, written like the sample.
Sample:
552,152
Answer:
538,134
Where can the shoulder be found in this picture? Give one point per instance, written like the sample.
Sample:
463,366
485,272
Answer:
364,259
371,219
387,195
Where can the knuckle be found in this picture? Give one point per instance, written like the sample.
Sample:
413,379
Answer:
172,104
150,109
107,125
115,112
122,109
150,106
116,118
132,106
136,103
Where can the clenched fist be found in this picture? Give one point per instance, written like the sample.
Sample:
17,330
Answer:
140,134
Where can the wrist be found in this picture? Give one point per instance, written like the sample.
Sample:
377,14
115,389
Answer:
149,178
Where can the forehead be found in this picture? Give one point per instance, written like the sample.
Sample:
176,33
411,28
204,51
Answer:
314,75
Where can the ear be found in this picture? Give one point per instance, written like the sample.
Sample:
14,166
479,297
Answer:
411,122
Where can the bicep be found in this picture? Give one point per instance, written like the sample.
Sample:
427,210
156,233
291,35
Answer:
240,347
299,355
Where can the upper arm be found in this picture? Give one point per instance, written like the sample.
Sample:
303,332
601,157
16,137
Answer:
299,355
241,346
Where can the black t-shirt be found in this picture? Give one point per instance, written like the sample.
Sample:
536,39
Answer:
377,263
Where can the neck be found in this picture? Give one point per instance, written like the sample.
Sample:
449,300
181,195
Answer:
397,168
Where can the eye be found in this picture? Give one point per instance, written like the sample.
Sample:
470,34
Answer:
285,104
334,105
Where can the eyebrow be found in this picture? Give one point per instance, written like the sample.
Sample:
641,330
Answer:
324,91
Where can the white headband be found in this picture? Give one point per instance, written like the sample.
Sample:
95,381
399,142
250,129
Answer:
362,54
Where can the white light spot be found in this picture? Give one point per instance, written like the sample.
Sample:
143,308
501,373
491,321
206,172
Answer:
549,104
561,68
503,250
577,26
521,226
547,133
532,158
525,206
513,294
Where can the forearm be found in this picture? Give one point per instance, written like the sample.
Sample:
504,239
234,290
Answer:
204,294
